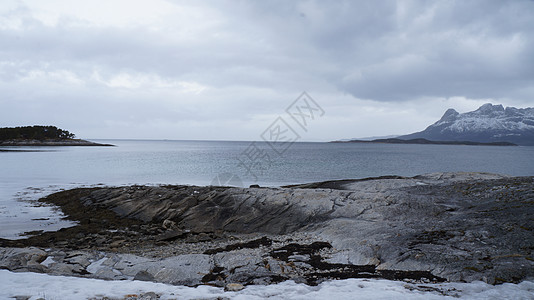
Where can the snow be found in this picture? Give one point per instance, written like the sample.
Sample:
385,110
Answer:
59,287
488,117
48,261
95,266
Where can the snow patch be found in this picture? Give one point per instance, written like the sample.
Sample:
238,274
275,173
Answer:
488,117
48,261
59,287
95,266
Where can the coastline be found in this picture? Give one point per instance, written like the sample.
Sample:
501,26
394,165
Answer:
51,142
421,141
427,228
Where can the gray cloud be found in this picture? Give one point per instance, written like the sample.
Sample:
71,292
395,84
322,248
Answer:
236,62
448,50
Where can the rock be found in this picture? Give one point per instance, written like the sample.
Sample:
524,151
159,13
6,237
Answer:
79,258
180,270
233,287
170,235
116,244
22,259
110,274
434,227
169,224
144,276
68,269
148,296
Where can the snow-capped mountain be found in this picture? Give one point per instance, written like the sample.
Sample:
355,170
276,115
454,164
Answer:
489,123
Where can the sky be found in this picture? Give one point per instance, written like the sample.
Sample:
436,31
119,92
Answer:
226,70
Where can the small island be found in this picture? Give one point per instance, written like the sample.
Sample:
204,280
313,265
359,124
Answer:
422,141
41,136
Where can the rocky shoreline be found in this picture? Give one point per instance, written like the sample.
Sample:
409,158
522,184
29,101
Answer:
428,228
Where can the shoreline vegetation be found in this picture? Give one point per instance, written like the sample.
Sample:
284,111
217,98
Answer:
456,227
421,141
41,136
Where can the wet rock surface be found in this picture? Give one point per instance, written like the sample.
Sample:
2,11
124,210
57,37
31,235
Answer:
434,227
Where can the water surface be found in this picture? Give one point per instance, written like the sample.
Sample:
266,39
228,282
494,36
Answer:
28,175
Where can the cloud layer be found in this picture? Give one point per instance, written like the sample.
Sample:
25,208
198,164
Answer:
227,69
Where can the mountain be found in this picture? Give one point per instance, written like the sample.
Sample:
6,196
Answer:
488,124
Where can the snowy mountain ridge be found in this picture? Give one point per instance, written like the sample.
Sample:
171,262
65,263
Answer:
489,123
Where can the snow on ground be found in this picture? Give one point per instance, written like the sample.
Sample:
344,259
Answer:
59,287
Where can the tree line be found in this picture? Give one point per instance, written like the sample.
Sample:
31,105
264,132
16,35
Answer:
34,133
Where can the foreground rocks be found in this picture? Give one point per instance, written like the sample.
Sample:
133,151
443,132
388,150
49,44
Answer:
436,227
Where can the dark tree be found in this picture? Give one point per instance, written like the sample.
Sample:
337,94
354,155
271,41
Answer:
34,133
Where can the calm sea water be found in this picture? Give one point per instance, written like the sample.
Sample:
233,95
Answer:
25,176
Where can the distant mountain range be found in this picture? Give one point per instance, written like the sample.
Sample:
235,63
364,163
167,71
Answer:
488,124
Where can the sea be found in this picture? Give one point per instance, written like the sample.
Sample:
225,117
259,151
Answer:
29,173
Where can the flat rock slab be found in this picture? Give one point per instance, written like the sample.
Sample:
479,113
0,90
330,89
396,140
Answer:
434,227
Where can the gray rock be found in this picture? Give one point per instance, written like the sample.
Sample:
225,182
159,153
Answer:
144,276
234,287
182,270
169,224
20,259
148,296
453,226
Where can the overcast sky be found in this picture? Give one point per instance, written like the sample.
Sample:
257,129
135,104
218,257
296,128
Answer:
225,70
